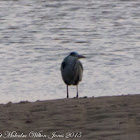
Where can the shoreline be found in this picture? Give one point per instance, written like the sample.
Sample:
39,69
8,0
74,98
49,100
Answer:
84,97
109,117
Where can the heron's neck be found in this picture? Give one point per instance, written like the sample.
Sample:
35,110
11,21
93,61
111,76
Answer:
71,58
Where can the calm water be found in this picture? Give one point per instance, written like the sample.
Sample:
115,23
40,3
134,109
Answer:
35,36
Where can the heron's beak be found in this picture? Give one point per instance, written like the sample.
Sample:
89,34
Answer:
81,56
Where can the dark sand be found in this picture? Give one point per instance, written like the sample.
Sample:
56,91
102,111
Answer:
102,118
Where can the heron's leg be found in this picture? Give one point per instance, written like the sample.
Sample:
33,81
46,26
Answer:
77,91
67,92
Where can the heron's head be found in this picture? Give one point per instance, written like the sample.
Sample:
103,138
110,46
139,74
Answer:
76,55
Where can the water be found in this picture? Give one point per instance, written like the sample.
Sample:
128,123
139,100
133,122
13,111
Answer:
35,36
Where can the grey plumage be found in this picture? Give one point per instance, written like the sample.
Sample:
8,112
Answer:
72,70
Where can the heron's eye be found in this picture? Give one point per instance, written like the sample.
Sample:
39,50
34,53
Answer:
73,54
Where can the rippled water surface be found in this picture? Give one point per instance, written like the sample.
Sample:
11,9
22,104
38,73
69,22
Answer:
35,36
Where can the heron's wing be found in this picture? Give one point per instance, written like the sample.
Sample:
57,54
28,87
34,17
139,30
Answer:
65,72
63,65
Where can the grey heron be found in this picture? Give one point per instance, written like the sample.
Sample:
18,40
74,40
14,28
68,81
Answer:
72,70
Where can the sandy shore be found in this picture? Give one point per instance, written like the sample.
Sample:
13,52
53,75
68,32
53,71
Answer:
102,118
